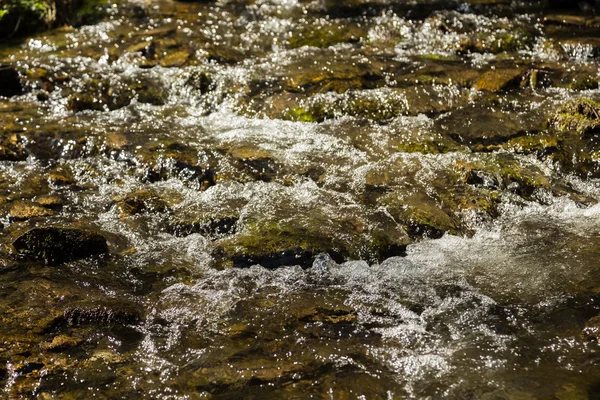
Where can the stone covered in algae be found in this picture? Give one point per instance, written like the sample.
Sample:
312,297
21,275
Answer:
580,116
56,245
141,201
21,211
323,33
296,241
496,80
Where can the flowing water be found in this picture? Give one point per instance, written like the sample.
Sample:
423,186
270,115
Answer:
306,199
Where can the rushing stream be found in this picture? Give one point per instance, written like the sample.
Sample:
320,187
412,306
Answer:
363,199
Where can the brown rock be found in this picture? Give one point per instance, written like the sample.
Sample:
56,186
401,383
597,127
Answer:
21,211
499,79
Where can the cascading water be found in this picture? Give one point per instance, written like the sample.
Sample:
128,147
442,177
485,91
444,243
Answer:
302,199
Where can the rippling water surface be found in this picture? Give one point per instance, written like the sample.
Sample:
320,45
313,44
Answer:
306,199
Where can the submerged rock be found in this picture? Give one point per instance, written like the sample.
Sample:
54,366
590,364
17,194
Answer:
141,201
61,342
209,226
56,245
104,312
499,79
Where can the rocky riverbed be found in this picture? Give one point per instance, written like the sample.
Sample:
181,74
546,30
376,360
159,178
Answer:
302,199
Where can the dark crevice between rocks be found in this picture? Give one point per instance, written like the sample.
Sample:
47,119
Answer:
303,258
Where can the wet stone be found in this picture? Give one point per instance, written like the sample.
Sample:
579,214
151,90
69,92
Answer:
61,178
51,201
175,59
499,79
591,331
21,211
210,227
579,116
56,245
103,312
12,148
61,343
141,201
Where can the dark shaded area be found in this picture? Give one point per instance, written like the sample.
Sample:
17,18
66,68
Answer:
56,245
10,83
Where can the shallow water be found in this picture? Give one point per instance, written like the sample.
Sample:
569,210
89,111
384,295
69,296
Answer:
306,200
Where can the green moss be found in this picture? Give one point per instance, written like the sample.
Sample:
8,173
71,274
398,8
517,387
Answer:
463,198
24,17
540,144
273,243
324,35
499,79
300,114
584,83
505,171
272,238
373,108
420,214
579,116
427,147
517,39
440,58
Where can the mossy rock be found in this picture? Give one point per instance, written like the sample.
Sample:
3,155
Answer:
13,148
99,101
496,80
56,245
301,114
141,201
504,41
581,116
323,75
421,215
258,164
273,245
486,126
174,159
24,17
149,93
296,242
175,59
591,331
51,201
323,35
584,83
541,144
212,227
504,171
372,104
61,342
